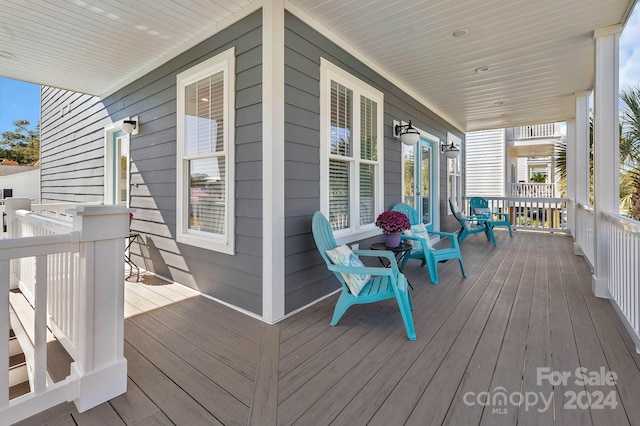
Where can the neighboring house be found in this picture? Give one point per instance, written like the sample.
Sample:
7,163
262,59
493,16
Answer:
503,162
22,181
195,167
486,163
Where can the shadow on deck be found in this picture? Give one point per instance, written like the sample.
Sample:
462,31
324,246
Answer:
482,344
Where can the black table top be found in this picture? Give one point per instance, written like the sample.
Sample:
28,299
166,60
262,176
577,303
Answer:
382,246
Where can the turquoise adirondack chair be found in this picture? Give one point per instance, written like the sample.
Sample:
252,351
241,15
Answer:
385,283
471,224
431,256
480,207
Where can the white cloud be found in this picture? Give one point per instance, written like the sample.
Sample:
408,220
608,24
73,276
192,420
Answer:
630,52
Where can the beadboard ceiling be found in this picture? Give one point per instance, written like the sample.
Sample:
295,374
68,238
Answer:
538,53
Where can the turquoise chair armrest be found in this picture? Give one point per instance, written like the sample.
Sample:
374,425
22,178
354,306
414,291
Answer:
367,270
452,237
381,253
443,234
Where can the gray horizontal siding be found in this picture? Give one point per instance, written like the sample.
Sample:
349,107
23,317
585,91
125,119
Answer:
73,155
72,152
306,277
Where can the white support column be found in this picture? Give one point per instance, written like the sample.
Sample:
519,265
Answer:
100,364
582,147
580,154
570,181
606,147
273,290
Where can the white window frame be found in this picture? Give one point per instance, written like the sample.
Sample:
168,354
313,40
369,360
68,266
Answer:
457,142
328,73
224,62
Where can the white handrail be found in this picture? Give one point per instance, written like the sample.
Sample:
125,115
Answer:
39,222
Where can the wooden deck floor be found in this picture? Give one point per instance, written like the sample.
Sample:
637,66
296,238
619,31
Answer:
527,304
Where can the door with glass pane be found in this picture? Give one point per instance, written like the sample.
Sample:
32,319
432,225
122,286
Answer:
418,191
117,188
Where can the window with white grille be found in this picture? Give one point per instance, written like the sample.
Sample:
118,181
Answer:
205,166
351,153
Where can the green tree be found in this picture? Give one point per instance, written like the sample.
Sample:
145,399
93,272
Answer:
538,177
629,130
630,153
21,145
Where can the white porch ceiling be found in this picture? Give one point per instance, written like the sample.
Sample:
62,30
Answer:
539,53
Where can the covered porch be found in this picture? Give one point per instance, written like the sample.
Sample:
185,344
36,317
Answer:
525,313
511,343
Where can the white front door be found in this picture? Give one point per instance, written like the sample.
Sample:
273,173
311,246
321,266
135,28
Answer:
419,180
117,169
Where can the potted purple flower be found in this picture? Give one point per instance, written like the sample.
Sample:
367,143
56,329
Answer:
392,224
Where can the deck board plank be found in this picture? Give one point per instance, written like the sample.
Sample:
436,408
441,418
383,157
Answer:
134,406
103,414
589,347
479,371
538,350
563,345
508,373
232,388
174,401
249,327
350,341
264,405
197,333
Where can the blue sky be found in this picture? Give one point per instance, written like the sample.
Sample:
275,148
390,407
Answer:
20,101
630,52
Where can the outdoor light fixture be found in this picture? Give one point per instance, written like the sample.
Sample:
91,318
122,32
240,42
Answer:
130,127
408,134
449,151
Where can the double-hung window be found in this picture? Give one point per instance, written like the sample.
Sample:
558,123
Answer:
351,153
205,147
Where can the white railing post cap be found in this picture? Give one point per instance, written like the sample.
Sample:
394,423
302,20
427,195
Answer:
101,222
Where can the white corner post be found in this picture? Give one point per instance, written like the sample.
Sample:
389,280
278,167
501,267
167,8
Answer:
578,174
606,148
570,180
273,212
11,206
100,365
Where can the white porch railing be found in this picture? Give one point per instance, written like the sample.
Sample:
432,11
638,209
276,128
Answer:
585,232
539,214
536,131
623,237
532,190
71,271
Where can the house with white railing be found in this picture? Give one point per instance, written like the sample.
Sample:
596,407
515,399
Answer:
508,161
223,128
502,165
